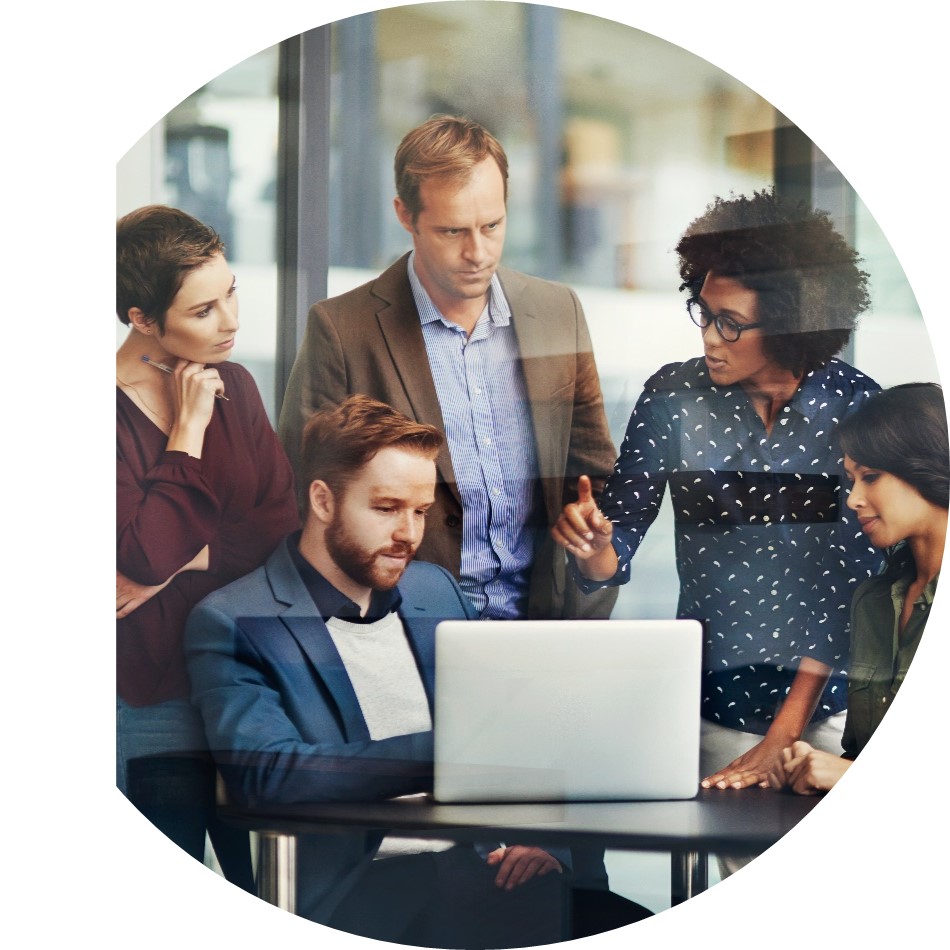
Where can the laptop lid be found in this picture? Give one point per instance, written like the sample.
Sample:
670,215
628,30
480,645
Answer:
567,710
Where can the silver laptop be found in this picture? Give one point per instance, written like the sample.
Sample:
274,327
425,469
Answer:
567,710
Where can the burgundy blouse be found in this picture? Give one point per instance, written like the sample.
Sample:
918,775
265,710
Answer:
238,498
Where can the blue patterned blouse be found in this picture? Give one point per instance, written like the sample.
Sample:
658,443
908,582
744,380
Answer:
767,552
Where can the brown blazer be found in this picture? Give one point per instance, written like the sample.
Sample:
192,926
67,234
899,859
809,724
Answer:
370,341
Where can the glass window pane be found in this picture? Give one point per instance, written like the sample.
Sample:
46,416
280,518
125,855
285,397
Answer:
215,156
616,141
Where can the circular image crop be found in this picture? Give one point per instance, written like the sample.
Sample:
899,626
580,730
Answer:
639,361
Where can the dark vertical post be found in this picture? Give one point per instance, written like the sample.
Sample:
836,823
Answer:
793,163
832,192
546,105
689,875
302,190
277,870
357,244
804,172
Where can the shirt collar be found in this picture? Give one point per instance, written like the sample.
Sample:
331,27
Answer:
813,389
899,589
331,602
499,311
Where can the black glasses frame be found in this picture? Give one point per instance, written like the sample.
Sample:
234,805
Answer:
726,327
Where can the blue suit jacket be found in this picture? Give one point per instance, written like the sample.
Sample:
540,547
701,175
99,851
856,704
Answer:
281,716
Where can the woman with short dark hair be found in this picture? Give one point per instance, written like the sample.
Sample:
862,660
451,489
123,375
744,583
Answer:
204,494
898,460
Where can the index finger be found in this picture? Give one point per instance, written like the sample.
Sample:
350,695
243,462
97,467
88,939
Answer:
585,493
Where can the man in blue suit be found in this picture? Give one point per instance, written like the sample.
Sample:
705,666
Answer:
314,676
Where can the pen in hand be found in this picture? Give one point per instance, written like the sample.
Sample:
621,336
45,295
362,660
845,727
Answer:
167,369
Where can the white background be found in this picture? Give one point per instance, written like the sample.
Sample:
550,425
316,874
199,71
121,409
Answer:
82,82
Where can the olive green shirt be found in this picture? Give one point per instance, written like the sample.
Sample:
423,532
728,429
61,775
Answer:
880,653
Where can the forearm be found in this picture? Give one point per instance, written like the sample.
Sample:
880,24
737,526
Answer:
799,706
187,436
166,512
200,562
631,500
130,595
600,567
285,770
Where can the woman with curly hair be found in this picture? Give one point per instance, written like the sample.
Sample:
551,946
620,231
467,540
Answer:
897,458
744,437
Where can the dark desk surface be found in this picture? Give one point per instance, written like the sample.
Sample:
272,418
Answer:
720,821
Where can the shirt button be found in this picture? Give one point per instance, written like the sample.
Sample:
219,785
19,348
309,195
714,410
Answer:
478,391
487,441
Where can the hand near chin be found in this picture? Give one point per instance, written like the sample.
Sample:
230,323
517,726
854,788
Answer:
196,386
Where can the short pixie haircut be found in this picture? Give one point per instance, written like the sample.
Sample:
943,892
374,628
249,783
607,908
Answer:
447,146
156,247
903,431
339,440
809,286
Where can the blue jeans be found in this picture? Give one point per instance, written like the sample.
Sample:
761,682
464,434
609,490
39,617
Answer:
164,768
163,729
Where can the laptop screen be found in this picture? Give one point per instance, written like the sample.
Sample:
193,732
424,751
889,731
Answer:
567,710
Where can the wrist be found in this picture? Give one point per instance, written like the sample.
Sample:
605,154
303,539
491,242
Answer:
783,733
601,566
186,437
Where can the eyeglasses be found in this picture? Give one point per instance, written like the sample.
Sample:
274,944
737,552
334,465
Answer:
726,327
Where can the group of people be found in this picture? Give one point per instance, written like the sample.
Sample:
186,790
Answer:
442,453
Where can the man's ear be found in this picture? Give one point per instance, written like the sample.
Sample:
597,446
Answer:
322,502
404,215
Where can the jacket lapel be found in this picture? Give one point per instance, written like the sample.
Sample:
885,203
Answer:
315,641
306,626
399,324
545,378
421,633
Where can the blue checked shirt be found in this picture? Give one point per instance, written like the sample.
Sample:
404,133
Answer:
488,428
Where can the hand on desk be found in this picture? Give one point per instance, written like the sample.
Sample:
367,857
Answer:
806,770
518,864
751,768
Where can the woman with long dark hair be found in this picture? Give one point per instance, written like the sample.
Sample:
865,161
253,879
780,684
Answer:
897,458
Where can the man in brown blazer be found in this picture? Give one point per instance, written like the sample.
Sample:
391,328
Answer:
499,361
